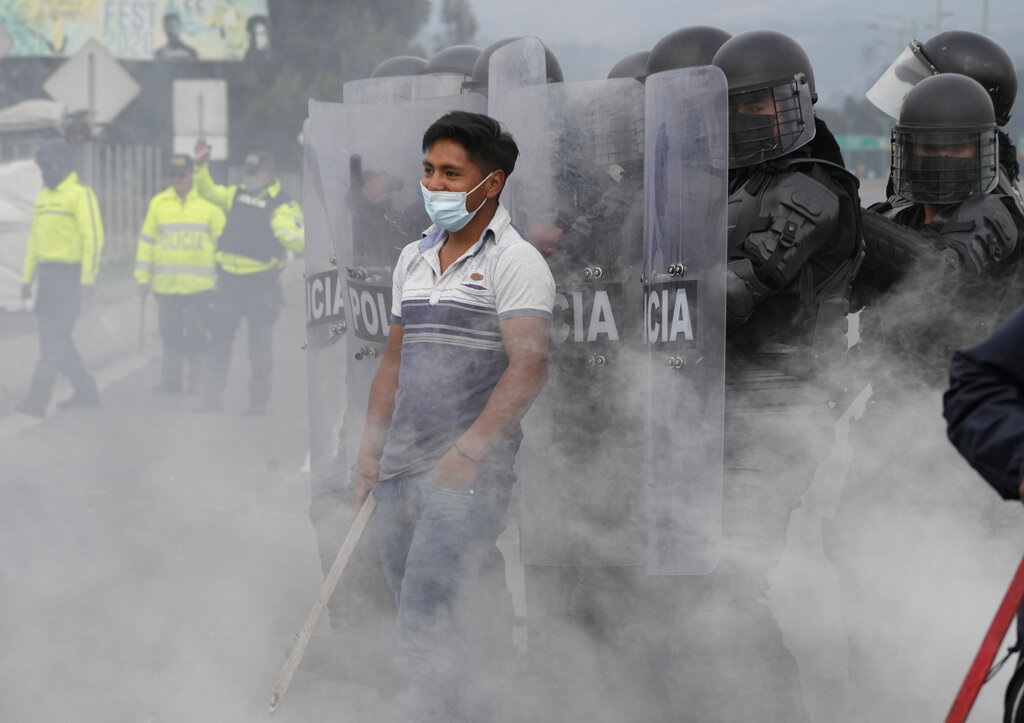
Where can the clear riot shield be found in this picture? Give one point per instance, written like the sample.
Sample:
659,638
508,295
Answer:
364,596
325,321
391,89
685,255
578,197
515,65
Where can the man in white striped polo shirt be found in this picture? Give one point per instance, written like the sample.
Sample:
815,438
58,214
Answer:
466,356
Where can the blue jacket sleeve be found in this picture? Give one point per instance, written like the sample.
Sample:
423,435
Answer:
984,406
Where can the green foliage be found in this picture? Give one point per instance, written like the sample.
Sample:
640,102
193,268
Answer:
316,46
459,23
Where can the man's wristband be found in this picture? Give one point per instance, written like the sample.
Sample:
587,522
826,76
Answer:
463,454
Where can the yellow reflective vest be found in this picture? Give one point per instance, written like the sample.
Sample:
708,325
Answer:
66,229
287,222
178,243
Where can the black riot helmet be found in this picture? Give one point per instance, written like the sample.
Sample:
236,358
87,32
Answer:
483,63
399,65
771,91
956,51
458,59
944,147
980,58
688,47
633,65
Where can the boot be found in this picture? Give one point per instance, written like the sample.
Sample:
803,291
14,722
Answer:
31,407
85,396
80,400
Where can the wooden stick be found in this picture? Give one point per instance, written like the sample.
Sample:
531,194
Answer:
330,583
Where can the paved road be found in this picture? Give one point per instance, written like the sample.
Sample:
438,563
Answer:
155,563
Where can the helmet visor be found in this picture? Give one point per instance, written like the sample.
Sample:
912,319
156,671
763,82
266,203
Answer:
944,167
909,69
769,121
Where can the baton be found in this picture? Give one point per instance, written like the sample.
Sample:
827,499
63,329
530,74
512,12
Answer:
989,647
331,582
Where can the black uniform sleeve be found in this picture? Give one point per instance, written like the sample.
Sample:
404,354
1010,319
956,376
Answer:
978,237
984,406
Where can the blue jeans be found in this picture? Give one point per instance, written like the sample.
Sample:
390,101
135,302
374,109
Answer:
434,543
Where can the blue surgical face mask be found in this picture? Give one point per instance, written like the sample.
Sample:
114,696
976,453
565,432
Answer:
447,209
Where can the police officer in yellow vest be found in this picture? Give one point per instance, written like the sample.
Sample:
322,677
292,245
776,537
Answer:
176,255
64,255
263,224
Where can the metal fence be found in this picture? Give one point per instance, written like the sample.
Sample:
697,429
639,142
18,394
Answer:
124,178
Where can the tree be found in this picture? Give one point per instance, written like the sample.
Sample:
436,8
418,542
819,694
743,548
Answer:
459,23
316,46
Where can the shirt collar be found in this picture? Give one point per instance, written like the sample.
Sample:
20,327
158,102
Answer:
272,190
435,235
69,179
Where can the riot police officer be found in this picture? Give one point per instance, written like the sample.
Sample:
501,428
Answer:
581,205
980,58
583,524
398,66
633,65
794,245
685,47
457,59
949,216
939,253
479,81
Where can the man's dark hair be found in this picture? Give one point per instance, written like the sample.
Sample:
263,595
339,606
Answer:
487,145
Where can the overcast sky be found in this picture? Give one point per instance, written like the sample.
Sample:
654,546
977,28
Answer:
849,41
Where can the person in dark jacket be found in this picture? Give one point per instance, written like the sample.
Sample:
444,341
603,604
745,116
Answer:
939,252
984,411
984,406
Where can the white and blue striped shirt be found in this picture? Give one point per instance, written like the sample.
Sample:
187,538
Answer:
452,351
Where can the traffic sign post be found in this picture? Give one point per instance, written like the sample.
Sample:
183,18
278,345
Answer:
91,80
201,111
